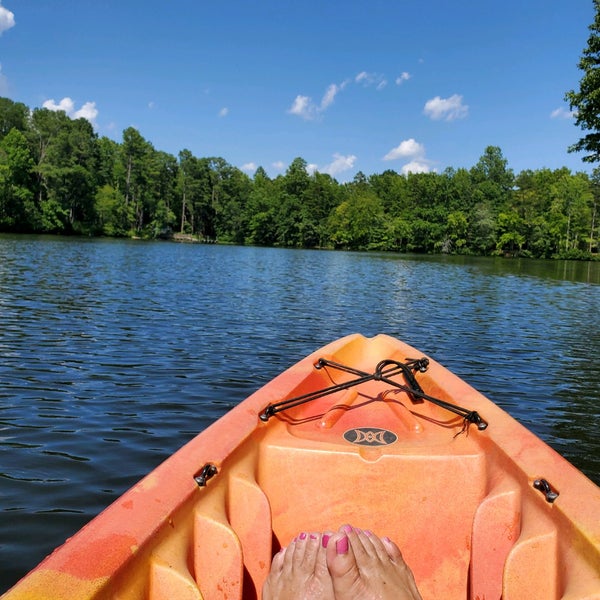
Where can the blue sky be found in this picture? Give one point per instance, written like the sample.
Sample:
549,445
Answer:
350,86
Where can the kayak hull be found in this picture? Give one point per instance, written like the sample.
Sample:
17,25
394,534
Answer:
472,509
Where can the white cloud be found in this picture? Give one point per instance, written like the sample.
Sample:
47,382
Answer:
367,79
279,165
562,113
413,151
87,111
224,112
362,76
303,107
416,166
404,76
7,19
250,167
447,109
339,164
65,104
329,96
151,105
406,149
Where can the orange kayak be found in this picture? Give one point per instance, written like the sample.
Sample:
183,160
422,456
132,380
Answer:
366,431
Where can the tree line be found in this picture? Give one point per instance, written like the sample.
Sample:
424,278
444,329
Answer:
58,176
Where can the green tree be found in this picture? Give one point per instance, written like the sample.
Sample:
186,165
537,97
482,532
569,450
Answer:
160,219
570,213
12,115
261,210
594,216
358,223
492,178
230,191
511,239
457,231
586,100
18,211
65,154
109,170
113,216
291,191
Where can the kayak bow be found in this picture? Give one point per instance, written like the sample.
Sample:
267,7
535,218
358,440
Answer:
357,432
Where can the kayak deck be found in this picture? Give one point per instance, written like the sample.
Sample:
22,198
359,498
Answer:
470,509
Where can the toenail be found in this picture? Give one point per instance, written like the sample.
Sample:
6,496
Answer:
341,546
302,536
347,528
313,536
368,533
325,540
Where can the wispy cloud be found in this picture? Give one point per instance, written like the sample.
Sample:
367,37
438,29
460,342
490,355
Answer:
329,97
339,164
447,109
562,113
371,79
7,19
250,167
223,112
404,76
279,165
414,152
303,106
87,111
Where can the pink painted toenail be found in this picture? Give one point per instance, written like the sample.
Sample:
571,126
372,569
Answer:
341,546
368,533
302,536
313,536
325,540
347,528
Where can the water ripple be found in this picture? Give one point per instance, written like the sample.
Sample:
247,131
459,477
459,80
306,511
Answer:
115,353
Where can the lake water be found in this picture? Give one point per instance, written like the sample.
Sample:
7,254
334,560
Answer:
114,353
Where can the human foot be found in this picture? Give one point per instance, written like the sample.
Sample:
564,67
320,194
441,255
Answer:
299,572
364,566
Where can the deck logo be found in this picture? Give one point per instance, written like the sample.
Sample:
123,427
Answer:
370,436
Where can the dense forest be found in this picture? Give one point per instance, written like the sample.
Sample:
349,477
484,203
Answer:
58,176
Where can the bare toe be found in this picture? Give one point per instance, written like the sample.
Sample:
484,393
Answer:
300,571
364,566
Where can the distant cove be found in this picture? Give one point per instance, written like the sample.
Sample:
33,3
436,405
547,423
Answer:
59,177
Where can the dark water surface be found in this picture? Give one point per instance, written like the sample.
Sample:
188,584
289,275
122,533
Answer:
114,353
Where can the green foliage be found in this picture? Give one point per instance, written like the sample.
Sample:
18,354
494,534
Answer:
586,101
57,176
13,115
